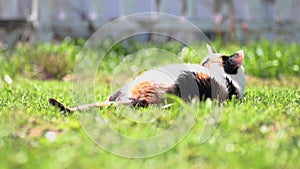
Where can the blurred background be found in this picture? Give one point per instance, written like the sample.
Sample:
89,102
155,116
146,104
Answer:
40,45
233,20
42,38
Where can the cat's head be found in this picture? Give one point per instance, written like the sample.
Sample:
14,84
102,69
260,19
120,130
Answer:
230,66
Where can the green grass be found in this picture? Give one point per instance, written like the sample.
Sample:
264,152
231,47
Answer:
54,61
261,131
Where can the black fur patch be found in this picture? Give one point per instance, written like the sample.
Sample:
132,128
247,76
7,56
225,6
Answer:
229,65
138,102
189,85
232,90
115,96
63,109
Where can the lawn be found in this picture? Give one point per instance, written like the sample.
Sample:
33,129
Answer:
260,131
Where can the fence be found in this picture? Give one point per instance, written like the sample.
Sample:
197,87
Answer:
47,19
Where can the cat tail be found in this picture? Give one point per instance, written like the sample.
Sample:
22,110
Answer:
66,110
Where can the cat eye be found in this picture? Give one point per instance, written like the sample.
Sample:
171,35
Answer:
203,63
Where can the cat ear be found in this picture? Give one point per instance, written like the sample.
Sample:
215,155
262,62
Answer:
237,58
210,49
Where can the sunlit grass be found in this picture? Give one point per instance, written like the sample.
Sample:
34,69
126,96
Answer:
260,131
254,132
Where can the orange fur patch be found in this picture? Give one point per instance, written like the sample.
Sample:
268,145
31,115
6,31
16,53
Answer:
203,76
148,92
220,59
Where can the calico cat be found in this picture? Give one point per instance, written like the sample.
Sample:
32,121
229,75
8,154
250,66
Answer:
217,77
